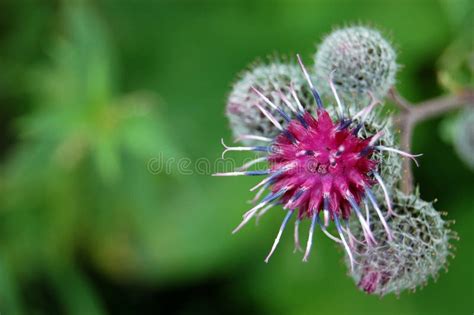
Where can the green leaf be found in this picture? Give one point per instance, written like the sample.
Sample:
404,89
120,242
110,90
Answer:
74,291
11,303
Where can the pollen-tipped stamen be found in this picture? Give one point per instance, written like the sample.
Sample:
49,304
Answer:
349,234
294,199
326,217
309,243
259,193
343,239
273,176
270,117
371,197
245,173
249,214
251,163
270,103
375,138
368,234
326,232
370,145
352,238
297,236
327,214
280,232
385,193
315,93
295,97
252,137
366,110
336,96
402,153
367,212
287,102
264,210
299,114
364,113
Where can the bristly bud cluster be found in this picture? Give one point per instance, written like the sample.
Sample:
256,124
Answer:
418,250
359,61
337,165
276,80
320,168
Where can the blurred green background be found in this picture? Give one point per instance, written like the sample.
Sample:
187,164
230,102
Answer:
92,91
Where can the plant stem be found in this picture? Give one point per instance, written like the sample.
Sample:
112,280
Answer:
411,114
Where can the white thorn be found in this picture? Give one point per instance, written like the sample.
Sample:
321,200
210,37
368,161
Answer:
229,174
286,101
304,71
293,93
385,193
346,247
265,99
375,138
250,163
297,237
310,238
365,111
252,137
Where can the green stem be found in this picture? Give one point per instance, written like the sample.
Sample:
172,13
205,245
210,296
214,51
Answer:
411,114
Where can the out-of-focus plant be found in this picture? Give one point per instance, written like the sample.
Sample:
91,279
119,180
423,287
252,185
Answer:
455,72
77,183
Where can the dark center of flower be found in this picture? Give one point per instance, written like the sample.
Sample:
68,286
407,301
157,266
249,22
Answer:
322,169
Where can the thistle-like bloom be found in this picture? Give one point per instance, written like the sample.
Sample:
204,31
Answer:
317,165
419,248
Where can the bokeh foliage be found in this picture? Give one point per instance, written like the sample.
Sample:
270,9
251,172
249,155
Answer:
91,91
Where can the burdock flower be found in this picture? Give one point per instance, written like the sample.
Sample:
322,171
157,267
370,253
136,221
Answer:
418,249
318,165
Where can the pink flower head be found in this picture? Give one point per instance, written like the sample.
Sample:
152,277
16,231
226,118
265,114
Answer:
329,166
317,165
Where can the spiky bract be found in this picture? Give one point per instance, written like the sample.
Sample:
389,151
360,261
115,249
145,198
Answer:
359,60
419,248
389,165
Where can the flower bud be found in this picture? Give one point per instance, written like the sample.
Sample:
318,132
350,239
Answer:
419,248
358,60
